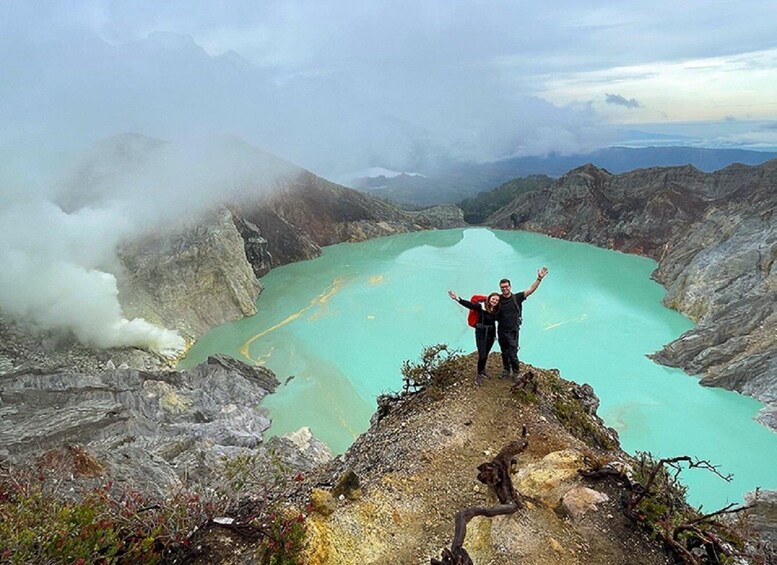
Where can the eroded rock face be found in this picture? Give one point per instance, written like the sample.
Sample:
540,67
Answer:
305,212
189,279
155,429
715,238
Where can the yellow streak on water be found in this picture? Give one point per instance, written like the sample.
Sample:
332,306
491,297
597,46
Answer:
572,321
375,279
262,359
319,300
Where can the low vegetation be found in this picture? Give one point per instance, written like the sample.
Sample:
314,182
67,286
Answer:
47,517
656,502
438,368
481,206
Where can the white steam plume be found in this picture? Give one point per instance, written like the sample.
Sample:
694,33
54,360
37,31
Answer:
52,275
58,262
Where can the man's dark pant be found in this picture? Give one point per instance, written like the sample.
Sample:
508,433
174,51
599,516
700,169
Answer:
508,343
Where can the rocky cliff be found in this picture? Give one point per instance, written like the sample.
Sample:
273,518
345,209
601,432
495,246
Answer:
714,236
235,215
191,279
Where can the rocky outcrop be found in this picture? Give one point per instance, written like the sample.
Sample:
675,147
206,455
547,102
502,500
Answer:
190,279
154,429
417,466
715,238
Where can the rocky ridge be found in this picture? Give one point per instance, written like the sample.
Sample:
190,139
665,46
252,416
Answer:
714,236
392,497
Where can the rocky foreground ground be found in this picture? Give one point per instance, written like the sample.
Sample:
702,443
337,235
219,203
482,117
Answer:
393,497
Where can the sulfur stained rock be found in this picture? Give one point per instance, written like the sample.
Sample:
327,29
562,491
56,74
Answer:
546,478
579,500
323,502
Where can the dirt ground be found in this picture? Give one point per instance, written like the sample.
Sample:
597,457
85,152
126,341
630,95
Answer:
417,467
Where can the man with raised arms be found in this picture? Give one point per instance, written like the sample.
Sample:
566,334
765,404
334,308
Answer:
509,322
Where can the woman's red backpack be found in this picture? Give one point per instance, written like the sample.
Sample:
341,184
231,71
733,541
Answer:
472,317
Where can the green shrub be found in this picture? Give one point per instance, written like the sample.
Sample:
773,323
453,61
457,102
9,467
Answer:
437,369
284,538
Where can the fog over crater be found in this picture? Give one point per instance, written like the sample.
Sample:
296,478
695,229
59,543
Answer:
59,245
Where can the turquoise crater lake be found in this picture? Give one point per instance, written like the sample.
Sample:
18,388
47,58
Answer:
342,325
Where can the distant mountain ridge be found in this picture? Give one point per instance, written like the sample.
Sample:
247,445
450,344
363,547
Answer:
459,181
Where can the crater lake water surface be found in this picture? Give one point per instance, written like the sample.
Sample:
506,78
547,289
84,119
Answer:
342,325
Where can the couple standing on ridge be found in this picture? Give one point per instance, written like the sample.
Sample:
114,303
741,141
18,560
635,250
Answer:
505,310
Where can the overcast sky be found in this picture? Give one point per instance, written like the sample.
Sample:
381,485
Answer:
337,86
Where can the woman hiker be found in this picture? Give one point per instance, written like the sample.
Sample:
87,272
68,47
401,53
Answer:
485,329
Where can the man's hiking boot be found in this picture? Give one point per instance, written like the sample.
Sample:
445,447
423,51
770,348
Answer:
505,374
479,379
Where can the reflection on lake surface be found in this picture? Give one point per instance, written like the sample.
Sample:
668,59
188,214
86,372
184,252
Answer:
342,325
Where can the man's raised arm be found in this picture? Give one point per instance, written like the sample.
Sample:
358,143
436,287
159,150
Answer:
540,275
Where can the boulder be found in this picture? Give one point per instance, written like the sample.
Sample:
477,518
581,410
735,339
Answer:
579,500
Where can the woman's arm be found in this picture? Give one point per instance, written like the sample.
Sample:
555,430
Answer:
465,303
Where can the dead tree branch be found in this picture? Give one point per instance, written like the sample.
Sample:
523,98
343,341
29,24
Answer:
496,474
693,538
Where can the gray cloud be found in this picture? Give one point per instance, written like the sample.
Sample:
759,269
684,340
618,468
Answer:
334,86
619,100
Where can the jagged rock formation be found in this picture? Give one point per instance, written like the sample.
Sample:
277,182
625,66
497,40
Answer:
155,429
192,279
715,238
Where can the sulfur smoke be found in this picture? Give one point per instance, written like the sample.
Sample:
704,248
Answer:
58,245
